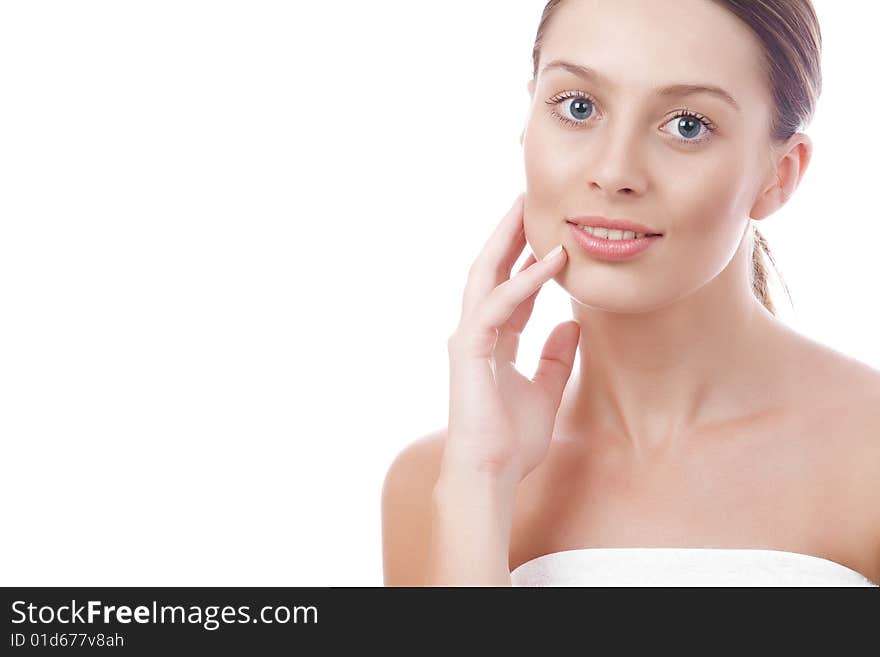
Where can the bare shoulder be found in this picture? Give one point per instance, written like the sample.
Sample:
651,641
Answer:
406,509
864,437
849,418
834,367
864,443
417,464
842,393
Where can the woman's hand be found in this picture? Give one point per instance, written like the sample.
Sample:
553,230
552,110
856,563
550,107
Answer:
501,422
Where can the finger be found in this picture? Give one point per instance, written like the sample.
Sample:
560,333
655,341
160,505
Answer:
496,251
478,333
493,264
507,346
520,316
557,359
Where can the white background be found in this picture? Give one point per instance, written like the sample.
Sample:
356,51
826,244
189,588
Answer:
233,239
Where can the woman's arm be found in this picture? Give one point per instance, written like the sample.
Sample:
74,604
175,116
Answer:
441,530
469,542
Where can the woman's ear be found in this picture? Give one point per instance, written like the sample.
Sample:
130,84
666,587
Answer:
786,175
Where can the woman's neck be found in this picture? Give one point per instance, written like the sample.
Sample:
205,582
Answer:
653,377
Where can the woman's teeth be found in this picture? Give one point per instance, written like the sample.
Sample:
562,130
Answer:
609,234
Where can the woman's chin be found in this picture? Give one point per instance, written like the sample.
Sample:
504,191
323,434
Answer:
609,299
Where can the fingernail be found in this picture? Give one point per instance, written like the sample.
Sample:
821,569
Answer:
555,252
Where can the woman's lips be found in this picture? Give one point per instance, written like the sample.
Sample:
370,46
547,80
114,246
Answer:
612,224
614,250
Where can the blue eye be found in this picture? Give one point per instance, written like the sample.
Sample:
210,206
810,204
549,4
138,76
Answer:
690,122
581,105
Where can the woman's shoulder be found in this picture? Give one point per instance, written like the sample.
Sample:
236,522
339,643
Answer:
840,396
406,508
842,413
815,357
414,470
821,377
859,444
420,458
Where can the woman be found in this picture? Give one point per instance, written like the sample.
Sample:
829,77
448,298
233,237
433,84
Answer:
702,441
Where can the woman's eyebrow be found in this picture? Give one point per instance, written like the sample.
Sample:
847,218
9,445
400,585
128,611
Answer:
680,89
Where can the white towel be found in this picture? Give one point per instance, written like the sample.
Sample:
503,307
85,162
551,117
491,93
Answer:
683,567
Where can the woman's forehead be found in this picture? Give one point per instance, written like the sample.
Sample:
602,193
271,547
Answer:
627,40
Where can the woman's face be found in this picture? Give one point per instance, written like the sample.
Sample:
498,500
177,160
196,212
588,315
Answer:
624,153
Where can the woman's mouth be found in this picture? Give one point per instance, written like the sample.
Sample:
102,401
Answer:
608,244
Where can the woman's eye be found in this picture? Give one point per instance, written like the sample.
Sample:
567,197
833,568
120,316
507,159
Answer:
575,110
687,127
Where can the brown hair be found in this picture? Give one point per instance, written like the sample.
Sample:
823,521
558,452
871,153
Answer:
792,46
